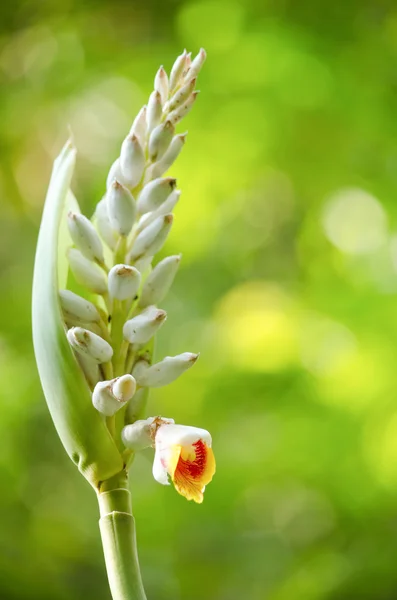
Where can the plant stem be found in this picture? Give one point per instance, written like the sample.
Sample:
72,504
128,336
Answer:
117,528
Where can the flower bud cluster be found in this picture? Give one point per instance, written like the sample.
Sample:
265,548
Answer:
112,332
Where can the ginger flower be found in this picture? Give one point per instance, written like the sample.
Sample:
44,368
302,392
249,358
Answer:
98,376
185,454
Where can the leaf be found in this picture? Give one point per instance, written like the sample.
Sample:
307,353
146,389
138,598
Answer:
80,427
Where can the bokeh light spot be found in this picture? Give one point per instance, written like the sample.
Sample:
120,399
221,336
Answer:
380,446
325,344
257,327
354,221
358,381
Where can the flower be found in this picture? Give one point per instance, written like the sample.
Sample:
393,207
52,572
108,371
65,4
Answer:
185,454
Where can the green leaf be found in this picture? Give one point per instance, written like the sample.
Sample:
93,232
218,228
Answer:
81,428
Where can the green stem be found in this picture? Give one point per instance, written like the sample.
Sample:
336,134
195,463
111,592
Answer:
120,250
111,425
118,535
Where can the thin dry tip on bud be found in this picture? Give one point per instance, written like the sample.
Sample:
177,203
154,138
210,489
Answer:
162,72
161,315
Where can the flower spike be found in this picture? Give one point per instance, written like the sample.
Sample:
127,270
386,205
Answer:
95,348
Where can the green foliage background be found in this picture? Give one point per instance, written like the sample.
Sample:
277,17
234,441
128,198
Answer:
290,299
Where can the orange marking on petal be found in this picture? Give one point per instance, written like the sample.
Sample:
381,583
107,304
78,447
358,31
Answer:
194,470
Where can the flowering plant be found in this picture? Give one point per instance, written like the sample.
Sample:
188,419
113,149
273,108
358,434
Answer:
95,353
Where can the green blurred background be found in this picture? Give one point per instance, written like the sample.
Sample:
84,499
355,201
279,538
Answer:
288,288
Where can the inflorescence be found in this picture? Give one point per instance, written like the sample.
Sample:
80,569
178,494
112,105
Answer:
112,334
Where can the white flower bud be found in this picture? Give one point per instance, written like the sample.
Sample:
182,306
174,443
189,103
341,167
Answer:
139,126
87,273
178,70
187,65
166,371
121,208
154,111
168,159
176,115
137,436
85,236
78,307
166,208
142,328
152,238
160,139
124,282
197,64
155,193
140,435
140,368
159,281
115,173
106,232
161,84
132,160
90,344
123,388
109,396
181,95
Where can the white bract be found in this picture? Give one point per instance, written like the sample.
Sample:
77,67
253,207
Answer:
178,69
132,160
104,227
121,208
85,237
159,281
197,64
155,193
181,95
161,84
87,273
154,111
89,343
115,173
124,282
152,238
160,139
168,159
181,111
139,126
78,307
166,371
142,328
109,396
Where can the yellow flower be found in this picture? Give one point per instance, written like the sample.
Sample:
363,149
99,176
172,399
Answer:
185,454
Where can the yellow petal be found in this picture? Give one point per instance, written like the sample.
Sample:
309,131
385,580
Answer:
192,469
